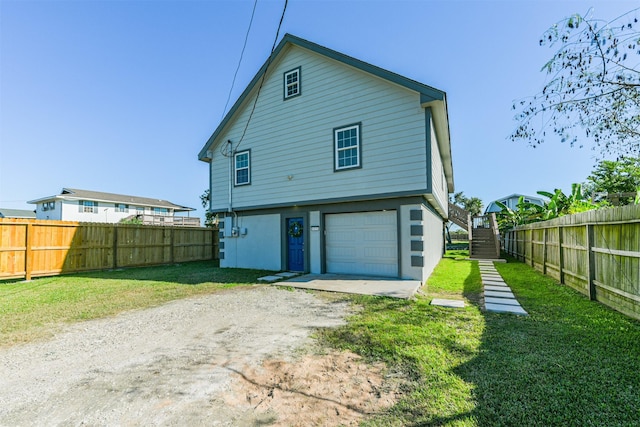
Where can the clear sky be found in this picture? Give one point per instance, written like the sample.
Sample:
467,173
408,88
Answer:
121,95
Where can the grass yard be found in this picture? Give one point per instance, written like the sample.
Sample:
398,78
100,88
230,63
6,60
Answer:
570,362
36,309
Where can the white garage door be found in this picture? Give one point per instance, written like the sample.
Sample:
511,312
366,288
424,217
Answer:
362,243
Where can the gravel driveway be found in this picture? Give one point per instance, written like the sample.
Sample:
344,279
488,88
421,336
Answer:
169,365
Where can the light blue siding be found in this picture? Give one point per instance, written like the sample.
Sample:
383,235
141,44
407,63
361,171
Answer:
291,141
438,181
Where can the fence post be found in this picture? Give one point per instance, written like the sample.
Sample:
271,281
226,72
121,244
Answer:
28,253
544,251
591,272
114,252
172,243
560,253
533,263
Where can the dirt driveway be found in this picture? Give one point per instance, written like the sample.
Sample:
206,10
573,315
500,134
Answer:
237,358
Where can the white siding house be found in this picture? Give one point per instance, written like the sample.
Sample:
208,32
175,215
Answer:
94,206
337,166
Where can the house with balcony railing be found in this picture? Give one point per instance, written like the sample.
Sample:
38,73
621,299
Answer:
95,206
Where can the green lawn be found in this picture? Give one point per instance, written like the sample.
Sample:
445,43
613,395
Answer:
35,309
570,362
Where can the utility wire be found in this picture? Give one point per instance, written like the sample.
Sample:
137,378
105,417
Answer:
264,74
244,46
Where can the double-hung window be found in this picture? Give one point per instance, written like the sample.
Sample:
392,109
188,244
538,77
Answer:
88,206
292,83
347,147
120,207
242,162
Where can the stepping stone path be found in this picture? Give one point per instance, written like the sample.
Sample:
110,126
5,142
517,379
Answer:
278,276
498,297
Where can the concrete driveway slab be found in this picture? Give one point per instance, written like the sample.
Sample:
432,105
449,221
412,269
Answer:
363,285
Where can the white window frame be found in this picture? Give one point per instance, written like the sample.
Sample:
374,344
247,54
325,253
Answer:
295,84
88,206
237,169
337,150
121,207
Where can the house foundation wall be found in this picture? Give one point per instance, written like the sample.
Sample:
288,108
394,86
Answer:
259,240
421,238
251,242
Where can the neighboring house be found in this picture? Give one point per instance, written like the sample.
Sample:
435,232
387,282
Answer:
343,168
512,202
94,206
17,213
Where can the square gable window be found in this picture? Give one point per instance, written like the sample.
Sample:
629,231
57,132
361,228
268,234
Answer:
292,87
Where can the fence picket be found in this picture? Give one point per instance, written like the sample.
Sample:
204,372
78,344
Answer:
598,254
31,248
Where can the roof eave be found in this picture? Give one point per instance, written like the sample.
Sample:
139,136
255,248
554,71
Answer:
441,124
427,93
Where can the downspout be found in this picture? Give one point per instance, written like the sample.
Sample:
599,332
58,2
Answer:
234,218
230,154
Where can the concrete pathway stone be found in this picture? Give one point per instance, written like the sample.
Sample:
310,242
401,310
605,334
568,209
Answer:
498,297
451,303
500,294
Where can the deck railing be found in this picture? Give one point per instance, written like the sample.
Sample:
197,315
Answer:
174,221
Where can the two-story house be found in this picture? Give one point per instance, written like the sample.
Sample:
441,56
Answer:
96,206
328,164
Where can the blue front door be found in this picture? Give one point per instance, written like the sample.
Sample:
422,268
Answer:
295,244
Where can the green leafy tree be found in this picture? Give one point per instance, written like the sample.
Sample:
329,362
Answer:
616,177
525,212
471,204
210,219
131,221
559,204
593,86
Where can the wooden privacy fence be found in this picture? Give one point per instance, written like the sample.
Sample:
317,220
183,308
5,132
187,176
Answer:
595,252
31,248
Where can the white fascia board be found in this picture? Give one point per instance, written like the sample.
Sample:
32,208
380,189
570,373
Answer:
441,124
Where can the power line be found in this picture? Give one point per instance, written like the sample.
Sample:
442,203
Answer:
264,74
244,46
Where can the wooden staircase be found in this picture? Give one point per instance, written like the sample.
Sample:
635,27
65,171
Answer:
484,237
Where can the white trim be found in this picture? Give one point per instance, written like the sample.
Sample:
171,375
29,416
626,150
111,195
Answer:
350,147
294,85
236,169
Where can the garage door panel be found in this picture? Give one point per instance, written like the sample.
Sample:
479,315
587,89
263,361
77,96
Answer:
380,270
388,254
362,243
379,236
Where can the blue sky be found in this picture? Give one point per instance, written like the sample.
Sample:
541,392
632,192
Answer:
120,96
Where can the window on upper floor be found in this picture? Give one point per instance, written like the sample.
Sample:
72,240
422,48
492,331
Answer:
88,206
242,161
292,85
347,147
48,206
120,207
161,211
